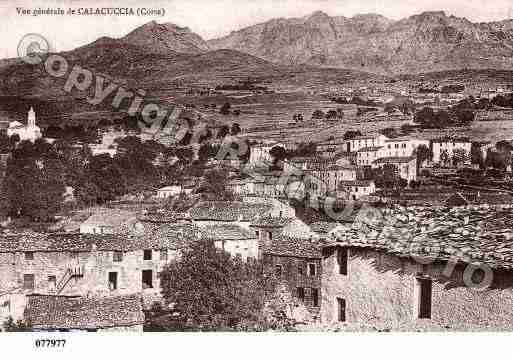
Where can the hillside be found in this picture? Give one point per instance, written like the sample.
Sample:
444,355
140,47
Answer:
431,41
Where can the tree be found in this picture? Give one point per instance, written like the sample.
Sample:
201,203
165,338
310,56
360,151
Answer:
9,325
215,185
235,130
390,132
388,177
476,155
223,131
423,154
444,158
318,115
335,114
34,182
348,135
278,153
225,109
104,181
207,289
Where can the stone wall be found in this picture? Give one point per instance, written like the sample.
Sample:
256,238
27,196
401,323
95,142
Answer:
380,290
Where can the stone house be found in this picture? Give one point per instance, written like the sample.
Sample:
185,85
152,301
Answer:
169,191
356,189
71,313
234,239
82,264
412,268
356,143
366,155
447,145
296,263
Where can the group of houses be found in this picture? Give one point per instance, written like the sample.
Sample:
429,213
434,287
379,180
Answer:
339,167
395,267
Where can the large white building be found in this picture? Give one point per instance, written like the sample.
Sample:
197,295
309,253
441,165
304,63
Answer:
29,132
448,145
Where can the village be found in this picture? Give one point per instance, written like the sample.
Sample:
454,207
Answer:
370,230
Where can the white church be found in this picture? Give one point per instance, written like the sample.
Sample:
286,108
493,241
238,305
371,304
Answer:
30,132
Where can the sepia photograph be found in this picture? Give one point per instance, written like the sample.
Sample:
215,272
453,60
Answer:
302,168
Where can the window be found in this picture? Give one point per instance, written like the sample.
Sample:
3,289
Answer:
29,256
52,281
113,280
341,309
117,256
315,297
301,293
278,270
147,279
300,270
163,255
270,235
257,234
312,269
147,254
342,260
425,288
28,281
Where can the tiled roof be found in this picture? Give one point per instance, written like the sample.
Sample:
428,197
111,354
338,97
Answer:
470,235
163,217
293,247
268,221
171,236
394,160
323,227
62,312
228,211
116,218
228,232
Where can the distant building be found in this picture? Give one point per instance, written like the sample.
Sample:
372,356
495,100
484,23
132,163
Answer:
109,221
354,144
367,155
445,147
356,189
30,132
169,191
406,166
260,153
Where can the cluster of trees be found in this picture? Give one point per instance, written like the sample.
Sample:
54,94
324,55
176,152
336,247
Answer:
207,289
429,118
386,177
337,114
38,174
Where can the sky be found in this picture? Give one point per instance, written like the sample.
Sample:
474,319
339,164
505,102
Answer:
209,18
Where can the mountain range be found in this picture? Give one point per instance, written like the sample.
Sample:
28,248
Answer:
428,42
